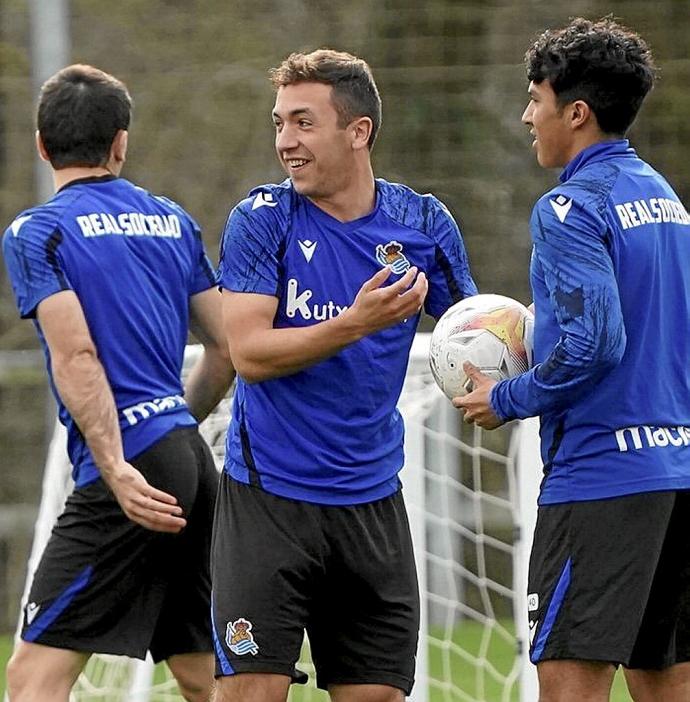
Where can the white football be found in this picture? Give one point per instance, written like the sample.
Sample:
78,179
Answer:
491,331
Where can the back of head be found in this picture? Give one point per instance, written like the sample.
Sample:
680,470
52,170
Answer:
80,110
354,91
602,63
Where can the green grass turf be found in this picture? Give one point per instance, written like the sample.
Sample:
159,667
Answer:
444,666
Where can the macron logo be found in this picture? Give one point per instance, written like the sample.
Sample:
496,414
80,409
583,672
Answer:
31,611
561,206
308,247
263,199
17,224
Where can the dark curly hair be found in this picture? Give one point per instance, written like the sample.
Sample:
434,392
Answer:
606,65
354,91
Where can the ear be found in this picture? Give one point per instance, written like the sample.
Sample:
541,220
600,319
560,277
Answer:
361,129
41,148
580,114
118,149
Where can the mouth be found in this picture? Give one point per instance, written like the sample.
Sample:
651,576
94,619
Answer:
295,164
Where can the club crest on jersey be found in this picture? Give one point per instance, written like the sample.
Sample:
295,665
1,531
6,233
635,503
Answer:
391,254
240,639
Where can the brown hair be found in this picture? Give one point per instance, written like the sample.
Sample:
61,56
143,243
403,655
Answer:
354,91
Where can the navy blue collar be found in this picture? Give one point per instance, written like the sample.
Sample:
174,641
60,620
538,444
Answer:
88,179
600,151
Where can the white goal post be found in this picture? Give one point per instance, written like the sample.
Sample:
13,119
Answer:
471,498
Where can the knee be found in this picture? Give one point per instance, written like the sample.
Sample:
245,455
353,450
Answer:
16,678
194,675
194,688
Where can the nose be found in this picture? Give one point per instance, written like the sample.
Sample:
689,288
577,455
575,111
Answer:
286,138
527,115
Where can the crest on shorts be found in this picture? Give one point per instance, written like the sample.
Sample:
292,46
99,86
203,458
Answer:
391,254
239,637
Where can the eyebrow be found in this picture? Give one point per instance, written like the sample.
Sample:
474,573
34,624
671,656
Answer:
294,113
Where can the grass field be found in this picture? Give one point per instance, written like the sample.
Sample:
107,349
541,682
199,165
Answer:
442,667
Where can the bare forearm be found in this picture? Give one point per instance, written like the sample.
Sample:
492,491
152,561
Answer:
271,353
208,382
85,392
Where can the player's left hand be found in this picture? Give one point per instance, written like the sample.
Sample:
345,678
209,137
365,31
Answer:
475,404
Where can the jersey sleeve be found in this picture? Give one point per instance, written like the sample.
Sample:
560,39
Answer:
31,250
449,275
582,290
203,274
250,252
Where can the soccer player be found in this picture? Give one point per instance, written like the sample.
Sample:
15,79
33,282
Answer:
610,564
323,278
113,277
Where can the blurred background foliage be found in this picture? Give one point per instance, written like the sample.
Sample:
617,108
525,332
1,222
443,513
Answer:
453,87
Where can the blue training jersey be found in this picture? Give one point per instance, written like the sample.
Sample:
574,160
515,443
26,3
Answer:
133,260
331,433
611,287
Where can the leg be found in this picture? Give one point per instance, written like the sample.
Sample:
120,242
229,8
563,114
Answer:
575,681
365,693
364,630
670,685
182,637
266,567
194,675
36,673
252,687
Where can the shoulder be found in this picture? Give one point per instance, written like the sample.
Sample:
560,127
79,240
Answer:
422,212
270,201
581,200
36,225
162,202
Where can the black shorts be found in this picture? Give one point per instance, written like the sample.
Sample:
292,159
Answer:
345,574
108,585
609,581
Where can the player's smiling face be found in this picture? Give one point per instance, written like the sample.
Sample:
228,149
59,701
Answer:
312,148
548,126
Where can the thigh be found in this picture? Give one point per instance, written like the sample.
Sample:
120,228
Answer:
102,579
95,589
34,670
184,624
266,563
664,636
366,620
591,573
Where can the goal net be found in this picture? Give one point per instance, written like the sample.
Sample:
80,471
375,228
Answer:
471,497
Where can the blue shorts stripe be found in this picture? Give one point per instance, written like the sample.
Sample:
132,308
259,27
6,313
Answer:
60,604
222,659
552,611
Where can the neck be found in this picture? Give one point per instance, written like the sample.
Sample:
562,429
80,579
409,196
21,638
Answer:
63,176
588,138
353,201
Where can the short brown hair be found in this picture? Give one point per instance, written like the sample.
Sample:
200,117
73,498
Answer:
80,110
354,91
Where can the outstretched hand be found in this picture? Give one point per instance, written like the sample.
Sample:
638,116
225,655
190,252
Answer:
475,404
143,503
380,307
